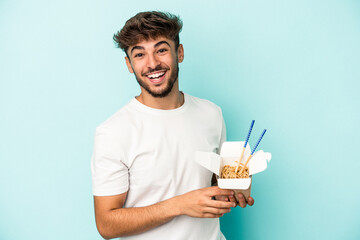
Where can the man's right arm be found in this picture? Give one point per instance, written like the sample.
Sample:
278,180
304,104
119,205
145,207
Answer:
113,220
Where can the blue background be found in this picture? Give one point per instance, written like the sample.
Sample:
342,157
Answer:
293,66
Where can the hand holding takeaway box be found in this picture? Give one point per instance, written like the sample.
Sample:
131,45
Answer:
230,155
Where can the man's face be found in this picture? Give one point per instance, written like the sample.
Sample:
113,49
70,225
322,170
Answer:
155,65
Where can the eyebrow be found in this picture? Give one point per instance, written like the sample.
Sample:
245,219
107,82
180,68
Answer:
162,42
137,47
156,45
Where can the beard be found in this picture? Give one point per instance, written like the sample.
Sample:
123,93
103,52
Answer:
160,93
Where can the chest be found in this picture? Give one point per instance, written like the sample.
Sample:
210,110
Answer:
162,154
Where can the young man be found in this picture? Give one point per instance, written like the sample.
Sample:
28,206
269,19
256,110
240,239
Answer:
146,184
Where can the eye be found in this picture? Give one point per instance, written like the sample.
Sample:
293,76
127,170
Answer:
138,55
162,50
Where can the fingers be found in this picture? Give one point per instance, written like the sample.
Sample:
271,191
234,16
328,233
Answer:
243,202
222,198
216,191
220,204
215,208
227,195
251,201
217,204
216,211
232,199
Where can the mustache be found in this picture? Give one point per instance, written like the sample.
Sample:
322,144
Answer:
157,68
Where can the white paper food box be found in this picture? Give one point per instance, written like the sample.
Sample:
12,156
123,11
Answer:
230,152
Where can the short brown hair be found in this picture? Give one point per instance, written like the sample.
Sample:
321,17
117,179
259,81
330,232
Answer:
148,25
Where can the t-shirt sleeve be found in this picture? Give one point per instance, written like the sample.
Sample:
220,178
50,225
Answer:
109,174
222,134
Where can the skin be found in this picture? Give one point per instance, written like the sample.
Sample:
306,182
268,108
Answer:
147,56
112,219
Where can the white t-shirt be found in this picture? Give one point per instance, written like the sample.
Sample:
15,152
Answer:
149,153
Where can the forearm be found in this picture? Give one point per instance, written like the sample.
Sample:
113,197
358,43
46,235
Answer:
113,220
129,221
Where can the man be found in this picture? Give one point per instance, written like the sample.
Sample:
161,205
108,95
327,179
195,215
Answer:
146,183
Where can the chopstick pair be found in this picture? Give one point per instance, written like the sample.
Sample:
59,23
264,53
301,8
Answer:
252,152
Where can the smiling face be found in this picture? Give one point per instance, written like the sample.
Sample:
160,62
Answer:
155,65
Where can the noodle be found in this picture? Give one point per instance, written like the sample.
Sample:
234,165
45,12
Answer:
229,172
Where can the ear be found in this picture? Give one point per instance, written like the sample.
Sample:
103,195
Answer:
180,53
128,64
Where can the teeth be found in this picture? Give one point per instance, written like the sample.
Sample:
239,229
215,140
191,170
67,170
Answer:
156,75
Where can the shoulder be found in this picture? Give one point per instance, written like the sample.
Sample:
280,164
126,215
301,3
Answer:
204,105
120,121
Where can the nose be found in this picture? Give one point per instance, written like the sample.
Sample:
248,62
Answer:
153,61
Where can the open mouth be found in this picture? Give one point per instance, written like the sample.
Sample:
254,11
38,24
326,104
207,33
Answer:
156,77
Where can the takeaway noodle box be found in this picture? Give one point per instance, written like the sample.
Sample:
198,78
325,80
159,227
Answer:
230,152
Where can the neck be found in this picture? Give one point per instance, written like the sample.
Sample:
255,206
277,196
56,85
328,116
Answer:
174,99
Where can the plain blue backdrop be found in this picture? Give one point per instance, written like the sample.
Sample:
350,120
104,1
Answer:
293,66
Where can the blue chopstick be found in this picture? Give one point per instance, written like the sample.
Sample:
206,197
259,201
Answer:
248,136
258,142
